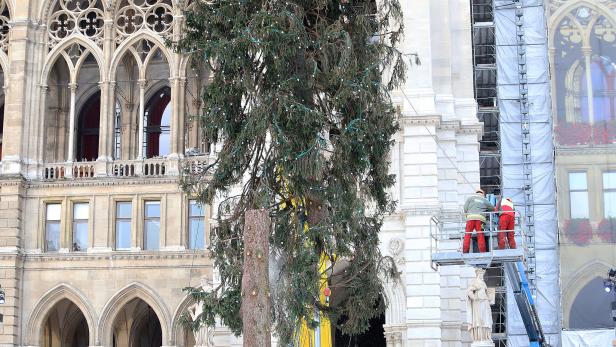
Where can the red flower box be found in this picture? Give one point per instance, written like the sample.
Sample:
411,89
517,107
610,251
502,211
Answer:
607,230
570,134
604,132
579,231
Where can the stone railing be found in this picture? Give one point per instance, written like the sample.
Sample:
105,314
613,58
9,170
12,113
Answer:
122,168
196,165
153,167
52,172
75,170
83,170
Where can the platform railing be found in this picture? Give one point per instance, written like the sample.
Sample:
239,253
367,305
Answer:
447,236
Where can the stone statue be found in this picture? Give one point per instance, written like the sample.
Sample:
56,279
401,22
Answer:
478,312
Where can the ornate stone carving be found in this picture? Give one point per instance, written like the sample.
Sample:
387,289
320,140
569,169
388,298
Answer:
4,26
134,15
68,17
396,248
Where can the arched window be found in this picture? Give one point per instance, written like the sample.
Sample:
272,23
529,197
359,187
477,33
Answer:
158,123
602,77
591,308
88,129
584,79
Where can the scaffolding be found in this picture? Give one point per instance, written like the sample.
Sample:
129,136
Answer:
484,63
513,104
486,94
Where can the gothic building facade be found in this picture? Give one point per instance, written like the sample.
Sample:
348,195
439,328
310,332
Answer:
97,240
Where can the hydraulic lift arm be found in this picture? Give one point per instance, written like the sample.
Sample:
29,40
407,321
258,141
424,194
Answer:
526,303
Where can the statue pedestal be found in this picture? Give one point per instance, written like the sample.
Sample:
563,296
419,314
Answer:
482,344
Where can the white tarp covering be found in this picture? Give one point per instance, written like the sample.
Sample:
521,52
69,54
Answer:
542,155
588,338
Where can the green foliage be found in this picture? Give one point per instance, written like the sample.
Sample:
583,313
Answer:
299,97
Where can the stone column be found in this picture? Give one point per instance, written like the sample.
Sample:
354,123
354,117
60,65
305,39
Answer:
11,262
420,201
106,135
18,78
140,150
178,90
43,94
71,127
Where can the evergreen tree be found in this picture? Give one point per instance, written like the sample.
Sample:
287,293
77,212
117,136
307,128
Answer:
299,97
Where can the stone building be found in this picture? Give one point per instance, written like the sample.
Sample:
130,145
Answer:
582,52
96,238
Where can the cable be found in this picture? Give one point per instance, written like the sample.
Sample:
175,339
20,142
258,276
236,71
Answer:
473,186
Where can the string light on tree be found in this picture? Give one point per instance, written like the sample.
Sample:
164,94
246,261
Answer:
299,95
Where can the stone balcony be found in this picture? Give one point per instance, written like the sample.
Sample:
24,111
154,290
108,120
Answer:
153,167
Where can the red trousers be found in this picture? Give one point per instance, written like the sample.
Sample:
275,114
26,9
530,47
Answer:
506,222
476,226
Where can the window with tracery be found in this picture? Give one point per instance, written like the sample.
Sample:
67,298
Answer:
585,78
139,73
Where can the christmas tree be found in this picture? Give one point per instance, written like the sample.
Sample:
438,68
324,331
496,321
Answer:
299,98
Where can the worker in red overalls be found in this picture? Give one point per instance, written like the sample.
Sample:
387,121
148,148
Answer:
506,223
475,208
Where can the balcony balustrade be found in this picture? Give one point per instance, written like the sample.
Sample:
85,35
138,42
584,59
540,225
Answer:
153,167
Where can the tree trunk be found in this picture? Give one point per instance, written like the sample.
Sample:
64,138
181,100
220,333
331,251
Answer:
255,308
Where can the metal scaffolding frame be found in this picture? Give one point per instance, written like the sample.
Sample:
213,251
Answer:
500,46
486,94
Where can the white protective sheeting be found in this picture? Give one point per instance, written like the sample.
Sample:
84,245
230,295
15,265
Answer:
542,155
588,338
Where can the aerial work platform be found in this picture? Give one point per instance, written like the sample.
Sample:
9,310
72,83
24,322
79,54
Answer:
446,236
477,259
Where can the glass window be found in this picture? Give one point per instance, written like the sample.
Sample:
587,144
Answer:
81,212
52,227
196,224
123,224
609,194
578,195
152,226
